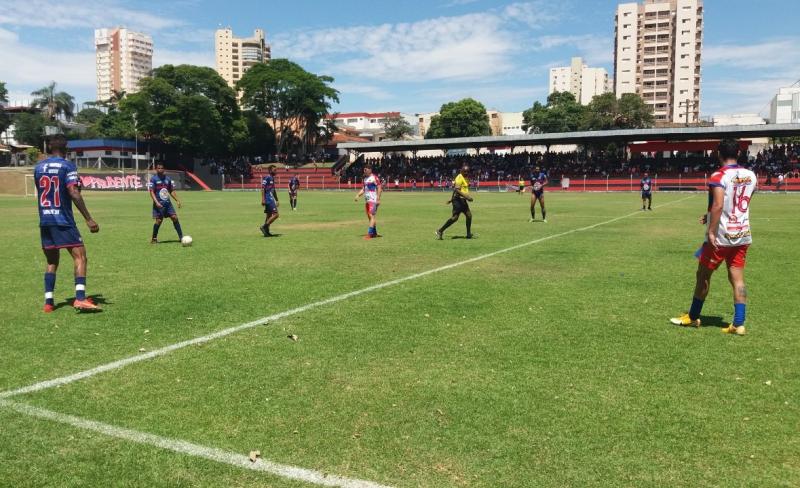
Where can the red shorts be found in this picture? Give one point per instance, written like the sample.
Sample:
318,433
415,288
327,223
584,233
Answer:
734,257
371,208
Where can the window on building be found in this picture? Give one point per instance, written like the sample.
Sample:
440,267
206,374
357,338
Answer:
108,153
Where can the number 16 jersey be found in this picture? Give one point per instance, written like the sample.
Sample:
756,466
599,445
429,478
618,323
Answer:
739,185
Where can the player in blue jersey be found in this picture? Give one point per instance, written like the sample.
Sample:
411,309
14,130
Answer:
161,189
58,186
647,192
269,200
538,182
294,185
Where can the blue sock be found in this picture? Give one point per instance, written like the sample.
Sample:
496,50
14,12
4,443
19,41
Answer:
80,288
697,308
738,313
370,231
49,288
177,226
155,230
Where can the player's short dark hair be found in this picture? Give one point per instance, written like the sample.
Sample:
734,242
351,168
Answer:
728,149
270,167
159,164
57,144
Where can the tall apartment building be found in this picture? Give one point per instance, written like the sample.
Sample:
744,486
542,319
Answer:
580,80
123,58
785,107
235,55
657,55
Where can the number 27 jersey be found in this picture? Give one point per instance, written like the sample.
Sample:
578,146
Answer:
739,185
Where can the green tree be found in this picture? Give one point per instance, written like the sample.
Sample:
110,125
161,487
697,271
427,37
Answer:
465,118
113,125
606,112
89,116
29,128
292,100
634,113
260,139
561,114
4,119
397,128
54,103
190,108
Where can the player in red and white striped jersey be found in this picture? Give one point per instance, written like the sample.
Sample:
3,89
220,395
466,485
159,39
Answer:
728,236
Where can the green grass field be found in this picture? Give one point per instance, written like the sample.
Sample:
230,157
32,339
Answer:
550,365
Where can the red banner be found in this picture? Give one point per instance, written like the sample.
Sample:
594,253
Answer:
104,182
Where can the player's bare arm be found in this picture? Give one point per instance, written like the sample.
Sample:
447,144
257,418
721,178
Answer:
77,199
174,195
380,192
275,196
263,197
155,200
359,195
714,215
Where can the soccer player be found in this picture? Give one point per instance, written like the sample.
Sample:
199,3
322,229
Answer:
521,185
727,236
647,191
459,199
269,200
538,182
58,186
372,191
294,185
161,188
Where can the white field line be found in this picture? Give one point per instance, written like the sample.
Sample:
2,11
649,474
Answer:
44,385
190,449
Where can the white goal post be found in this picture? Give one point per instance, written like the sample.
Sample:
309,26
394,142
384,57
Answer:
30,186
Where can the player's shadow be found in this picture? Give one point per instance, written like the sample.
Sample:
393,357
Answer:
169,241
98,299
273,235
463,237
718,322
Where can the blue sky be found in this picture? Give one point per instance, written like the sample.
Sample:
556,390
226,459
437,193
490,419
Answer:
406,55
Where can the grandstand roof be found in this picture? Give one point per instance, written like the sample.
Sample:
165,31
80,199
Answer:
589,137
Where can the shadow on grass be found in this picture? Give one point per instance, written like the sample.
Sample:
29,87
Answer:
718,322
98,299
464,237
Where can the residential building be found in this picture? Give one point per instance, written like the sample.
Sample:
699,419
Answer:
123,57
512,124
657,55
785,107
580,80
235,55
367,124
114,153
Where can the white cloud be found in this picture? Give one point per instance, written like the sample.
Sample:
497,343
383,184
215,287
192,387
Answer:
369,91
25,64
465,47
595,50
533,14
67,14
776,54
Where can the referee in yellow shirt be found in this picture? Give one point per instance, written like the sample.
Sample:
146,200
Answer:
460,203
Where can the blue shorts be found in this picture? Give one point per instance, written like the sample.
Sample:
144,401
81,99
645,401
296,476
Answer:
538,194
166,211
58,237
270,207
647,194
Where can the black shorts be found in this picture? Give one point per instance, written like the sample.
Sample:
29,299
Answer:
538,194
646,194
460,206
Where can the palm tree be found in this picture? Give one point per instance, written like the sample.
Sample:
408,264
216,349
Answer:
54,103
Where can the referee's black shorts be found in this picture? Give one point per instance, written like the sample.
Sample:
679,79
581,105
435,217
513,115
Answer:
460,206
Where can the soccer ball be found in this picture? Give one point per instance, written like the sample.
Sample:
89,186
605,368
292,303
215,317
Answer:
186,241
